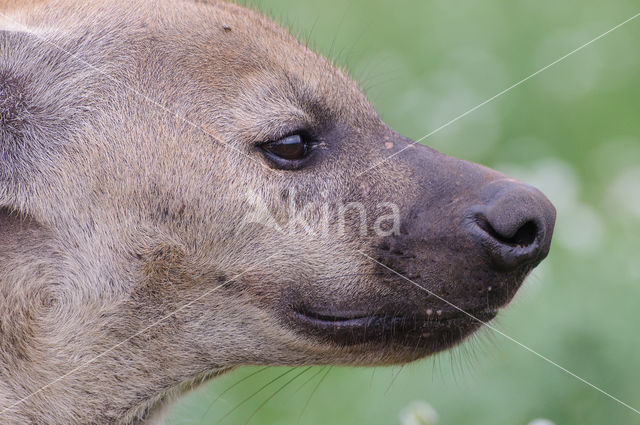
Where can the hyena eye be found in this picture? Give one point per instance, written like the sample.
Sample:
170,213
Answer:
290,148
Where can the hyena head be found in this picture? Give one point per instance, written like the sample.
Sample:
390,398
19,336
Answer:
186,188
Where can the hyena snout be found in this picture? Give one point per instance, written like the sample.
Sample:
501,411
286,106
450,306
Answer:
470,236
514,224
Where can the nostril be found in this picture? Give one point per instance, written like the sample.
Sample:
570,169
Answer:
510,245
513,224
524,236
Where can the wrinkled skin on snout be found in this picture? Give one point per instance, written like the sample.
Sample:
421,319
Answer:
145,237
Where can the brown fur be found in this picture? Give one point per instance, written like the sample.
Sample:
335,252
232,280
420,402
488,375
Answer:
127,151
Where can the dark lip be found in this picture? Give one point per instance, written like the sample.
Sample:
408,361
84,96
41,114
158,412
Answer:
342,319
361,319
434,332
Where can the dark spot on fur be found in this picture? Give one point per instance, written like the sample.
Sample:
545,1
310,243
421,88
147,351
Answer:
14,110
226,28
164,265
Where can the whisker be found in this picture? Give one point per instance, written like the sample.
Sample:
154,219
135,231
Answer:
455,356
341,276
373,372
262,369
393,380
318,372
276,392
415,349
237,406
315,388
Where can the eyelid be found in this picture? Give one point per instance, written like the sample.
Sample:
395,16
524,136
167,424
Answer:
304,134
278,128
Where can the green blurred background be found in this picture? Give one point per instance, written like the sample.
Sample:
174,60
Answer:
573,131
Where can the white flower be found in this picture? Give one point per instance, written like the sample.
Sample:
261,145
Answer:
541,422
419,413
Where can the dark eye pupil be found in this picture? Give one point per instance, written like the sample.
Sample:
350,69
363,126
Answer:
290,148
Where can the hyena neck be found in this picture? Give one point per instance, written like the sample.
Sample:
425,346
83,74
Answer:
63,338
155,410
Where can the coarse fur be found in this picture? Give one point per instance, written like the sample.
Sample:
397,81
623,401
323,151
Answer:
129,157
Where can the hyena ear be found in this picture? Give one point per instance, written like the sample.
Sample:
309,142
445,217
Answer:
27,115
15,116
47,98
17,128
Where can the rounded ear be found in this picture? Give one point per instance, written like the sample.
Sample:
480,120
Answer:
45,98
19,116
14,114
15,110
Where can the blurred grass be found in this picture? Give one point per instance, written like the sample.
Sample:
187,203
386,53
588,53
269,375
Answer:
572,130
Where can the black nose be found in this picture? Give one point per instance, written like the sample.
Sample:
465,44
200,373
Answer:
514,223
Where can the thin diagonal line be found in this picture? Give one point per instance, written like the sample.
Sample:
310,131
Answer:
258,391
262,369
459,117
148,99
156,323
128,87
275,393
313,391
532,351
301,386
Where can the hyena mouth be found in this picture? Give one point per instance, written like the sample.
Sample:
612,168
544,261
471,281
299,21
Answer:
429,331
